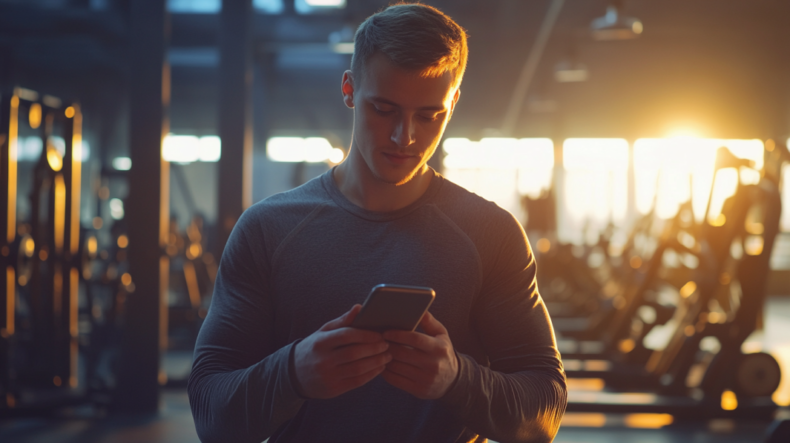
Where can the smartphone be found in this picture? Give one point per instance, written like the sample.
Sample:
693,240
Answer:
394,307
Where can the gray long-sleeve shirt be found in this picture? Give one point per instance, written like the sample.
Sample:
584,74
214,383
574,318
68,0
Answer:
301,258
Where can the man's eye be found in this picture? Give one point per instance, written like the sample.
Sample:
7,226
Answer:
429,117
382,110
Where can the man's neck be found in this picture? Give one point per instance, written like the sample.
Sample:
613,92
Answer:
358,184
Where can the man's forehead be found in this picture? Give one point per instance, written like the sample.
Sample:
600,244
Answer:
385,81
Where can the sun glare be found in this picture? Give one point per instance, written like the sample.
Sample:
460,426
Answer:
669,171
596,179
501,169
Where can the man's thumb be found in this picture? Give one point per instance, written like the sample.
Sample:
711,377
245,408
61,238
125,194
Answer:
344,320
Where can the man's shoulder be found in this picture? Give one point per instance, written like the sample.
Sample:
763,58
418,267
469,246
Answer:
286,208
458,203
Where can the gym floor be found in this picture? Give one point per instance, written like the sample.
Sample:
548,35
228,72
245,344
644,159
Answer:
174,423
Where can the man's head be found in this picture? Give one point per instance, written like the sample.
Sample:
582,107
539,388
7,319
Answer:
414,37
403,85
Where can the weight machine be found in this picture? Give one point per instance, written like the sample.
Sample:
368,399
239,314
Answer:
717,310
39,338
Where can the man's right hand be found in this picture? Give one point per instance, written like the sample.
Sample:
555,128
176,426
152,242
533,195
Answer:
338,358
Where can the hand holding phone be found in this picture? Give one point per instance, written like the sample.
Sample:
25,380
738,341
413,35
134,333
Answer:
396,307
423,364
337,358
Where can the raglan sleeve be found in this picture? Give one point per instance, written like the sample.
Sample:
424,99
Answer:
241,387
522,395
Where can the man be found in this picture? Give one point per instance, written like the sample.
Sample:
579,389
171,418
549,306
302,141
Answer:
277,358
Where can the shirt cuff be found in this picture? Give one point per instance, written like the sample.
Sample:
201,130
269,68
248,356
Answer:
292,371
459,397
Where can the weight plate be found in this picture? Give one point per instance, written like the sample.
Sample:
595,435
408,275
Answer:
757,375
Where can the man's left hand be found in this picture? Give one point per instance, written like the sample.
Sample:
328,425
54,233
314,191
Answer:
424,365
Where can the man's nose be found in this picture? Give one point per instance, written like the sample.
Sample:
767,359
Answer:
403,134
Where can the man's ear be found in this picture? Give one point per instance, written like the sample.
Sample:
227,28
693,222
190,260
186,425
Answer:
347,88
455,100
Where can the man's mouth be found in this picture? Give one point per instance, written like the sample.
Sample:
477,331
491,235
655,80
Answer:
397,159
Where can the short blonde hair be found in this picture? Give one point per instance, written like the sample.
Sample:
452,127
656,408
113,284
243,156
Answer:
413,36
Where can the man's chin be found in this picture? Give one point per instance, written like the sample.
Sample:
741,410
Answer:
396,179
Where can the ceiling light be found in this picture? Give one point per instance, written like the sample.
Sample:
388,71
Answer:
567,71
615,26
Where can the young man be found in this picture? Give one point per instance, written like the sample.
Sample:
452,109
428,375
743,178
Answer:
276,357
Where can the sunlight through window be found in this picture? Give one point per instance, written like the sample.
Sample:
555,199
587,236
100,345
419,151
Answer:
669,171
502,170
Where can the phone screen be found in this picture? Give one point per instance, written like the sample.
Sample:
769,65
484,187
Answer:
394,307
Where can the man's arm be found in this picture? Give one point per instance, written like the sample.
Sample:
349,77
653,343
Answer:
242,387
522,396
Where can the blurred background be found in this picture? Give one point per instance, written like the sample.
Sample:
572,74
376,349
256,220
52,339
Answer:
641,143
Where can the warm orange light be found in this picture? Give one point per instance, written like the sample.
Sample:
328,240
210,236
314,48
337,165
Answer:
93,245
720,220
729,401
753,245
34,116
13,132
782,395
126,279
29,247
54,158
194,251
755,228
648,421
123,241
626,345
585,384
76,182
57,381
59,212
192,285
582,419
635,262
669,171
544,245
688,289
69,112
597,365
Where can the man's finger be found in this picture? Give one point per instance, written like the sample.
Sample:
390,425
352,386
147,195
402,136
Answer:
348,336
363,366
408,354
355,352
406,370
409,338
342,321
431,325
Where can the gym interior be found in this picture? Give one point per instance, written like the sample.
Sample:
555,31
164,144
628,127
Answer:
642,144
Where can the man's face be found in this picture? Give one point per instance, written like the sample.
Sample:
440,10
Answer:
399,117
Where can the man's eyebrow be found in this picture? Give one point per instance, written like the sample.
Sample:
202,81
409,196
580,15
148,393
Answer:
424,108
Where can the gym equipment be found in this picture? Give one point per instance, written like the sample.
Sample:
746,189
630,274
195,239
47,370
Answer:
701,372
66,285
39,337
